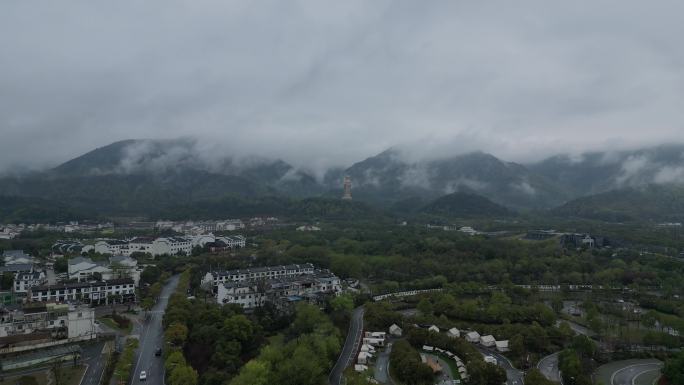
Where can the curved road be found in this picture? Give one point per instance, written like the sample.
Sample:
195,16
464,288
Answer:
629,374
548,366
381,372
513,375
152,337
351,346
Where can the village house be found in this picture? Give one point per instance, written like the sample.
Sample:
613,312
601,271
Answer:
23,281
17,257
473,337
100,292
488,341
125,267
46,321
17,268
395,330
214,278
84,269
280,290
232,242
155,247
502,346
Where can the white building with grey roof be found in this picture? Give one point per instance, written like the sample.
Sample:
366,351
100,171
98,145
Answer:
23,281
85,269
252,288
215,278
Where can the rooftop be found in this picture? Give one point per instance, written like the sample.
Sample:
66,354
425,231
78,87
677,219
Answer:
77,260
72,285
265,269
18,267
15,254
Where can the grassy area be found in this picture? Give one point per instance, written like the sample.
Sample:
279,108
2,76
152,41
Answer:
33,379
124,366
71,375
68,375
109,322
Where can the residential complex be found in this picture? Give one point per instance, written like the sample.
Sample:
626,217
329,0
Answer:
280,285
100,292
166,245
21,267
23,281
118,266
239,275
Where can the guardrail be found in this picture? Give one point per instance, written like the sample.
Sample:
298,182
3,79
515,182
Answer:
404,294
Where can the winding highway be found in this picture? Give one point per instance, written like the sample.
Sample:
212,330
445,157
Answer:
630,372
351,346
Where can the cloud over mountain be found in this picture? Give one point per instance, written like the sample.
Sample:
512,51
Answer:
323,83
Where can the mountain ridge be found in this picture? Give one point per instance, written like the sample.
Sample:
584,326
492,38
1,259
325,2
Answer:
133,176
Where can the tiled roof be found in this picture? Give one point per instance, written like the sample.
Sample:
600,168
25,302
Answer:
72,285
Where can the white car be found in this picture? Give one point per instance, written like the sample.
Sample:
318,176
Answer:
143,376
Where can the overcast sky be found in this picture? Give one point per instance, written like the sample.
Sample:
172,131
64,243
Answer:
322,83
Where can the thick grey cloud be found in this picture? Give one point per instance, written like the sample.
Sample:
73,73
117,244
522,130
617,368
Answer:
322,83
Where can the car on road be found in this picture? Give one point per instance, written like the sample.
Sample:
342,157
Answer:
143,376
158,352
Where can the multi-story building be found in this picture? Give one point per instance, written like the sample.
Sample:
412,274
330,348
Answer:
49,317
17,268
172,246
140,245
111,246
164,245
84,269
278,289
16,257
227,243
8,232
125,267
67,247
23,281
100,292
216,277
49,320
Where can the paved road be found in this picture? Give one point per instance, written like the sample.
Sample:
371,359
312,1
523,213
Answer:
382,366
513,375
548,366
630,372
351,346
152,337
92,355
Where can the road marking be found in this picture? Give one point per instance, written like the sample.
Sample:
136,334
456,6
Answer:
84,374
644,372
140,354
631,367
